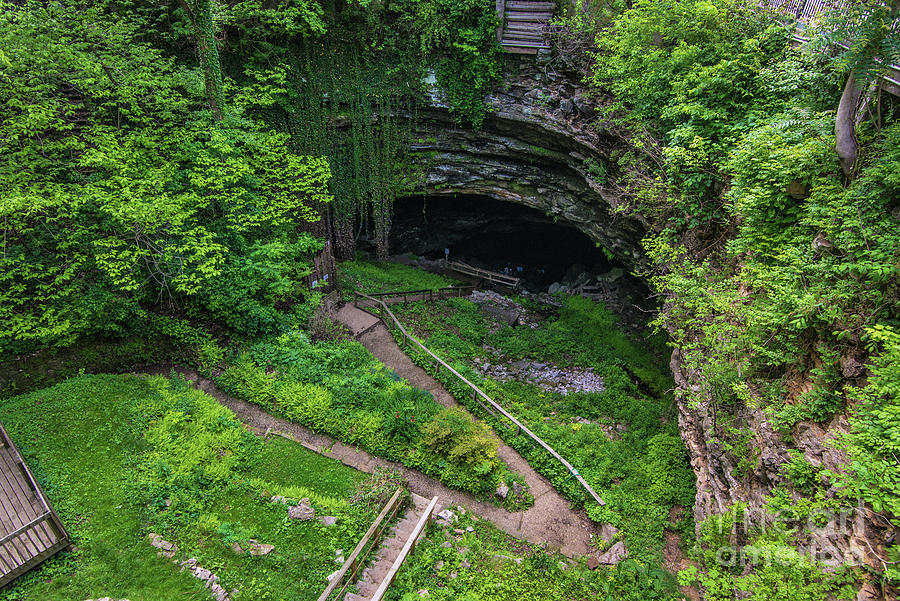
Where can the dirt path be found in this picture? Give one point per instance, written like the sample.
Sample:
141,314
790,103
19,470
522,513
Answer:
550,519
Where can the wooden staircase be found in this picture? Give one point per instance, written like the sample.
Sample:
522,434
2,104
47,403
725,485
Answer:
523,25
375,579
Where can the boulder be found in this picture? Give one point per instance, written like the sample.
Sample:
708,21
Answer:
616,553
851,368
303,512
447,516
259,549
608,532
502,490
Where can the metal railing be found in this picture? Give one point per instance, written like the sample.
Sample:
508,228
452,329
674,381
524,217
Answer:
479,396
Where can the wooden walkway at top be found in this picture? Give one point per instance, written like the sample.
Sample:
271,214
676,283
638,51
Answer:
523,25
30,531
807,11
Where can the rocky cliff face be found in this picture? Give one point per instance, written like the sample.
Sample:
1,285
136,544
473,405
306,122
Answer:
536,148
853,535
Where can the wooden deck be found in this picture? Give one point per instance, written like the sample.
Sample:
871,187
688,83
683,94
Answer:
30,531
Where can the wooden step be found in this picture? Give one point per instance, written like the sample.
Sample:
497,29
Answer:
518,35
519,44
519,50
529,17
518,26
526,41
530,6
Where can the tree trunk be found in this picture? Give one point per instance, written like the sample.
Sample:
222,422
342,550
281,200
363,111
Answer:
201,16
845,126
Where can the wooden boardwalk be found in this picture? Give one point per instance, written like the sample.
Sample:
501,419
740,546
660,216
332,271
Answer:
30,531
480,276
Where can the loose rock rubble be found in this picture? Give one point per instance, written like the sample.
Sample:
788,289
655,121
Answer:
211,580
169,549
565,381
489,298
303,512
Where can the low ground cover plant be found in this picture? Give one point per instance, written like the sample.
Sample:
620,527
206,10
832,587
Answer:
124,456
339,388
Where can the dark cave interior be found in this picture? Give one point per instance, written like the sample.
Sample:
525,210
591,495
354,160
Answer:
497,235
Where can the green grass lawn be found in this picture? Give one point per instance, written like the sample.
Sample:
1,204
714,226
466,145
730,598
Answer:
368,276
121,456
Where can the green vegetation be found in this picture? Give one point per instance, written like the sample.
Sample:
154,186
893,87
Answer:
640,469
122,456
338,388
153,205
488,565
168,171
777,254
136,186
366,276
782,572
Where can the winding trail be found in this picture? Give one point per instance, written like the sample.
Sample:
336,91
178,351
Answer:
550,519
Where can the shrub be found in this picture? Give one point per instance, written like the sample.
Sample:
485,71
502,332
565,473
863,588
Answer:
466,442
305,403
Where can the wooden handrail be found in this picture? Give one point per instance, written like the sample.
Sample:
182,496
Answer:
417,295
453,289
492,276
25,528
389,507
410,542
479,393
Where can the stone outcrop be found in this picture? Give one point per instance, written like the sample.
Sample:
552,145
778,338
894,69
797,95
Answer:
853,535
537,148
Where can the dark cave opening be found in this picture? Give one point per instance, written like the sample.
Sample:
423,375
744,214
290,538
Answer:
500,236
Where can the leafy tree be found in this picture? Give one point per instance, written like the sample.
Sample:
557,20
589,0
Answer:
118,194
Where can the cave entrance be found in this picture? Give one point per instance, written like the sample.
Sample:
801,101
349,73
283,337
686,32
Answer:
500,236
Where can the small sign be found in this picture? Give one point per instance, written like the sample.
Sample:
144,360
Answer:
446,252
315,283
325,278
